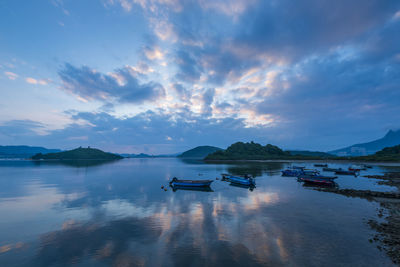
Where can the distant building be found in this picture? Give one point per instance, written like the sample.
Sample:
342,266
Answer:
358,151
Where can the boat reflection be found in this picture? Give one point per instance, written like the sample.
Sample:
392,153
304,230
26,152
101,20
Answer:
192,188
250,187
118,216
254,169
314,185
73,163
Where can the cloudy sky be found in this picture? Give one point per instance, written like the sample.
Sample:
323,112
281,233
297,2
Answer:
162,76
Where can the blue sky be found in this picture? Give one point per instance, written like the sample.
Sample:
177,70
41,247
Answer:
162,76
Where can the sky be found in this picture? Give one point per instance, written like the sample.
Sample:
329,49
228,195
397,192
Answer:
164,76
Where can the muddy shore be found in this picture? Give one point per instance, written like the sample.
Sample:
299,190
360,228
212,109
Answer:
388,230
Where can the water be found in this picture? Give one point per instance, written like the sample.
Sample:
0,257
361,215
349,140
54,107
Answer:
115,214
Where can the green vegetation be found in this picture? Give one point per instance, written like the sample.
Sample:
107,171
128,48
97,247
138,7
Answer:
254,151
78,154
310,153
386,154
199,152
249,151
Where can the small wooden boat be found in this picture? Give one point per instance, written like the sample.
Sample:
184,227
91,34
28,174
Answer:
356,168
310,172
291,173
190,183
320,165
246,180
316,181
322,177
344,172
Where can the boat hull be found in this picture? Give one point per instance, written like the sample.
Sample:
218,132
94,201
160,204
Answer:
319,177
346,173
240,180
190,183
291,173
320,165
322,182
310,172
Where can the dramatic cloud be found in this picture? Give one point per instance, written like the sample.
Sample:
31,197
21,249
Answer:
308,74
294,30
148,132
121,85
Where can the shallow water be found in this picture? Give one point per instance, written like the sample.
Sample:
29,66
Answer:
90,214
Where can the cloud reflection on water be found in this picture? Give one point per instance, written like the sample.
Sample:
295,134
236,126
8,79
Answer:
120,216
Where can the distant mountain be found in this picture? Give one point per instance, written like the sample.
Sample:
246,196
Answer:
310,153
23,151
199,152
392,138
249,151
78,154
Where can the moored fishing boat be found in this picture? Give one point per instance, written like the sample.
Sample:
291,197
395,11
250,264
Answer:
344,172
190,183
317,181
356,168
291,173
320,165
310,172
246,180
331,178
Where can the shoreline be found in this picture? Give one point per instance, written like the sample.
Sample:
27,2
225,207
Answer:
388,163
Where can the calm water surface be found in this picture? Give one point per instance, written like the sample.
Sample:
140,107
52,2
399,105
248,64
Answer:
116,214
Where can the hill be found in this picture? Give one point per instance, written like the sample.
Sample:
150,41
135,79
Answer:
78,154
249,151
386,154
392,138
199,152
23,151
310,153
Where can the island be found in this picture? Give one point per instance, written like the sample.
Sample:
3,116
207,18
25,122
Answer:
254,151
78,154
250,151
199,152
